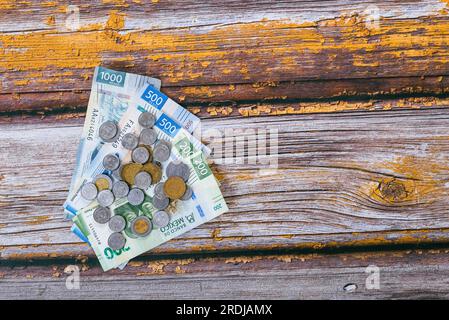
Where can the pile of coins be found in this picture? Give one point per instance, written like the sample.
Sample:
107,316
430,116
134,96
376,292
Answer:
132,179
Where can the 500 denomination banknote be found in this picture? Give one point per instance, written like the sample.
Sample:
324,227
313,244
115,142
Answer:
165,126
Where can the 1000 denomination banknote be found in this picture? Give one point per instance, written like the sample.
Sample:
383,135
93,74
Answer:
110,96
165,127
206,203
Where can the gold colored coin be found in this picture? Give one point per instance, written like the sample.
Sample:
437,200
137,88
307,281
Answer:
154,170
129,171
141,226
102,184
174,187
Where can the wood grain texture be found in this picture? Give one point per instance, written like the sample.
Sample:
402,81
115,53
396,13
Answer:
402,275
344,179
210,52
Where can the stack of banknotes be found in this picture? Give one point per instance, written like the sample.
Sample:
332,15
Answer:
118,100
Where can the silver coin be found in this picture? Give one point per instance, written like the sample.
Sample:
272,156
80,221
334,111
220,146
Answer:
161,219
142,180
159,190
161,153
179,169
89,191
105,198
108,131
188,194
120,189
170,170
102,215
148,136
160,203
129,141
146,119
111,162
164,142
117,173
117,223
136,196
104,176
183,171
140,155
116,241
136,231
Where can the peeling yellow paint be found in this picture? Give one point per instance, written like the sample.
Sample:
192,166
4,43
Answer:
37,220
31,51
215,234
243,259
22,82
50,20
135,263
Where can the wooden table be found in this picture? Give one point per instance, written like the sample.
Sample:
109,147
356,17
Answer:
356,89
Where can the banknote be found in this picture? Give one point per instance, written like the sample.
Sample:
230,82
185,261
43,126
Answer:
110,97
206,203
161,107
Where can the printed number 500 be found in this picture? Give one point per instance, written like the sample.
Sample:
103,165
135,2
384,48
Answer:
153,97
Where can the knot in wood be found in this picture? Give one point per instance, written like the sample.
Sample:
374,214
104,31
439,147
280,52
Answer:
393,190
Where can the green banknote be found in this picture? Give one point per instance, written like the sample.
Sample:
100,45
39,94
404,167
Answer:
206,203
111,95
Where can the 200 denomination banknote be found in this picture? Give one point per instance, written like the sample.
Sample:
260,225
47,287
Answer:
206,203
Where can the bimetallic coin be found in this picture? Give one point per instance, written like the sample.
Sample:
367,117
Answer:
140,155
161,153
108,131
148,137
187,195
111,162
116,241
160,203
105,198
161,219
159,190
117,223
129,171
135,196
154,170
141,226
89,191
120,189
103,182
129,141
174,187
146,119
102,215
142,180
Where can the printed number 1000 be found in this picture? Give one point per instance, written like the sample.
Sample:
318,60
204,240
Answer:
106,76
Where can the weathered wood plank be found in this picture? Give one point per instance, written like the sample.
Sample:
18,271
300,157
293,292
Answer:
344,179
401,275
210,52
